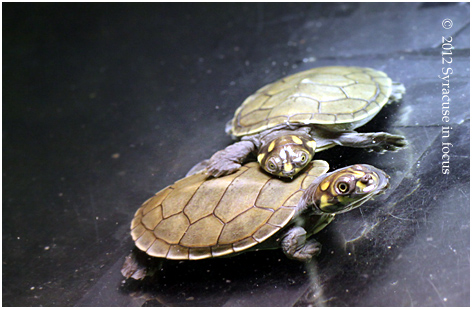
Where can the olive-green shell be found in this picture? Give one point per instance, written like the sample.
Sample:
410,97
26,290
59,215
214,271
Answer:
325,95
200,217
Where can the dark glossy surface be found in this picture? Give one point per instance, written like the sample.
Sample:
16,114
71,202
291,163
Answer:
103,105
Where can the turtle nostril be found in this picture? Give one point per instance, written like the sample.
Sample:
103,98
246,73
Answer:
366,178
289,173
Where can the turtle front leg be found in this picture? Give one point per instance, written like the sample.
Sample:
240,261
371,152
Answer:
296,247
229,160
378,141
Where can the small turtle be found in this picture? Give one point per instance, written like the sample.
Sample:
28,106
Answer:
284,123
200,217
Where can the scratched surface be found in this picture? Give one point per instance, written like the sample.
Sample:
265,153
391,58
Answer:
103,105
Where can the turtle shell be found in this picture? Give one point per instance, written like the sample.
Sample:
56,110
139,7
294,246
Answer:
199,217
325,96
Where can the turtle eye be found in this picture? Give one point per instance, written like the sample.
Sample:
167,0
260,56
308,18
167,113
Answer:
271,166
305,157
343,187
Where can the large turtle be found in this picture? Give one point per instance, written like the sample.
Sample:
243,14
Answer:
200,217
284,123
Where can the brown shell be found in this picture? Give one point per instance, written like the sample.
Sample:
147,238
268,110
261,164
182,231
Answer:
325,95
200,217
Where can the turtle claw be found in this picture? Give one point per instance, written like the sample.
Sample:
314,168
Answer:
132,268
214,168
378,141
382,142
228,160
138,265
218,168
308,251
296,247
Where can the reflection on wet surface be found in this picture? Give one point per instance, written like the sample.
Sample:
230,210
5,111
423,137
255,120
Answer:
106,105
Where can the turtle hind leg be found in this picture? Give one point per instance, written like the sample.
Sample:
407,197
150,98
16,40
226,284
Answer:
138,265
376,141
296,247
397,92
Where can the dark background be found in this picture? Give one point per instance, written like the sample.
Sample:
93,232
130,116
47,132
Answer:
105,104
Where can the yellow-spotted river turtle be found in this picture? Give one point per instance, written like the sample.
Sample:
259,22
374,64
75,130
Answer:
284,123
200,217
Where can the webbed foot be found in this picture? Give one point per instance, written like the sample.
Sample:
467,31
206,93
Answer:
382,142
218,166
296,247
132,268
229,160
138,265
378,141
308,251
397,92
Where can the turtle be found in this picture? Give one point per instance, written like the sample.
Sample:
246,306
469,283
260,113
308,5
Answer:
201,217
284,123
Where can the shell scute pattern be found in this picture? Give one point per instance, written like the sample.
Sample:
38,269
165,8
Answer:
158,248
279,218
175,252
228,222
203,233
246,223
327,95
240,196
152,218
179,197
207,195
172,229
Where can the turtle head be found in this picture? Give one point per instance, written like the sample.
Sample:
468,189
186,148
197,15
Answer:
346,188
286,155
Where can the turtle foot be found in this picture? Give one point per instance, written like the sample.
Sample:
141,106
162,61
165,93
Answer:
377,141
220,165
397,92
308,251
132,268
382,142
222,168
228,160
296,247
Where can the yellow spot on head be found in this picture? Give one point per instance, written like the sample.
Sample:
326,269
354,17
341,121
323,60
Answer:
271,146
311,144
358,174
324,186
288,167
297,140
361,185
260,157
324,201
